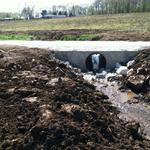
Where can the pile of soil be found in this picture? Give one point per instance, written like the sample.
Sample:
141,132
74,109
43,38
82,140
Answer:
103,35
139,78
45,105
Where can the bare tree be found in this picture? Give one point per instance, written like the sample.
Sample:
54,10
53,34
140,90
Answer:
28,12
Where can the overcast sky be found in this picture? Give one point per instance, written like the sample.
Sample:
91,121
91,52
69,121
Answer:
17,5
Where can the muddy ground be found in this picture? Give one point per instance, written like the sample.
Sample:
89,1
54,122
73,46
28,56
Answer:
101,35
45,105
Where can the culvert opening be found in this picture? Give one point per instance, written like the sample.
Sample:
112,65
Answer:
95,62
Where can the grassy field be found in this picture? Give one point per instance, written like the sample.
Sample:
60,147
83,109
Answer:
124,22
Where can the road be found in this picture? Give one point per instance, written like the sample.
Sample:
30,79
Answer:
82,45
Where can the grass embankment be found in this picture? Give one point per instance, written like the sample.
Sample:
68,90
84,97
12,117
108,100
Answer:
83,37
124,22
15,37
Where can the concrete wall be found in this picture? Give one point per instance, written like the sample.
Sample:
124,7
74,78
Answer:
78,58
76,52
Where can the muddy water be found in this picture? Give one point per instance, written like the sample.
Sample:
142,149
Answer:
138,112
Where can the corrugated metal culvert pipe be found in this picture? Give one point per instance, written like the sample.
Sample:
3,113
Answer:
95,62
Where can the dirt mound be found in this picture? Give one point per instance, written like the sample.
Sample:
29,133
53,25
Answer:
100,35
103,35
45,105
139,78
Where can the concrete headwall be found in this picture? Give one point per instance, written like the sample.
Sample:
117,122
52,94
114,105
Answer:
78,58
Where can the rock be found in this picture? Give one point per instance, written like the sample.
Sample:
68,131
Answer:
89,77
2,70
122,70
31,99
138,84
101,75
33,60
52,82
130,63
141,70
67,64
130,72
71,74
119,77
11,90
69,107
144,68
77,70
111,76
15,78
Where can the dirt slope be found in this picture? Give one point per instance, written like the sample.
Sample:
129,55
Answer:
139,78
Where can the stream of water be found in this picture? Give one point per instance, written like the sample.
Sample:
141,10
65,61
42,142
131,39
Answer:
138,112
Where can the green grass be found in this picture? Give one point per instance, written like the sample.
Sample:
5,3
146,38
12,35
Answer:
89,37
14,37
124,22
83,37
68,38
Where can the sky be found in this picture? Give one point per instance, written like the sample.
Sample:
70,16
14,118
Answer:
17,5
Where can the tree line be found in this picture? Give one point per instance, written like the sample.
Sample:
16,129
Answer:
96,8
119,6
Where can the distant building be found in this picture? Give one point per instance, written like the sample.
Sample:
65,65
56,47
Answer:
53,16
12,19
6,19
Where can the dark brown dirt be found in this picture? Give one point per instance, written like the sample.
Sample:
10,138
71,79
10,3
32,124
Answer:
139,79
44,105
104,35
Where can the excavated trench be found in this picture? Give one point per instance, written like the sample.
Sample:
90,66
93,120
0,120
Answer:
45,103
